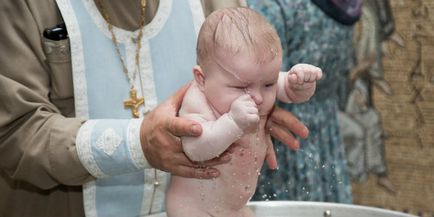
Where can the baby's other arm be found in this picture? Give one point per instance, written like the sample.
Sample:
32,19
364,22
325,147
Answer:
217,134
298,84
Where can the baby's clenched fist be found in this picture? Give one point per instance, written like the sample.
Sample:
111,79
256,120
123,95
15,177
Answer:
244,112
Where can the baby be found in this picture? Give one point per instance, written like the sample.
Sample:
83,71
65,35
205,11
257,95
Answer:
235,87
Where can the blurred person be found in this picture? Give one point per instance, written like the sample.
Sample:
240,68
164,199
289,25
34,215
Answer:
317,32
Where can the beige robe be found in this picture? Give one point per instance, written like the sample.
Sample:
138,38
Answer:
40,173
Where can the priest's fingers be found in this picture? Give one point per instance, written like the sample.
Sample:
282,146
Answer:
196,172
183,127
271,155
282,124
283,135
222,159
180,165
286,120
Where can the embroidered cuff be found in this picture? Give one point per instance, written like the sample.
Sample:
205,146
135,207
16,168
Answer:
111,147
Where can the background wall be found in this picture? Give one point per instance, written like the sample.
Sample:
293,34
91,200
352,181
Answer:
408,115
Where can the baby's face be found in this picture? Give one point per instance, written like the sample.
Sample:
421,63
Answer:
229,77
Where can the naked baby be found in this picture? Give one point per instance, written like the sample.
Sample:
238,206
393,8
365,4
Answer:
235,86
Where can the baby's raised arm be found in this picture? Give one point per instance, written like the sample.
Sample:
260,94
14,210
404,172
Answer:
217,134
298,84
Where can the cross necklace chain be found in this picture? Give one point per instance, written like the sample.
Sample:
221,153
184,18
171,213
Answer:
133,102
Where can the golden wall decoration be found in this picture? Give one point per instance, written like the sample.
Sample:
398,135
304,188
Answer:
407,115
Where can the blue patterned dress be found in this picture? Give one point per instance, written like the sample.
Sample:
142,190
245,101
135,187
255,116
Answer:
318,171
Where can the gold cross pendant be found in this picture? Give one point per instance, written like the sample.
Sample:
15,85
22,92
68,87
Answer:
134,103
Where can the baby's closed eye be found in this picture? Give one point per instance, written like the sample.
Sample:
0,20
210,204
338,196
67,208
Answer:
270,84
238,87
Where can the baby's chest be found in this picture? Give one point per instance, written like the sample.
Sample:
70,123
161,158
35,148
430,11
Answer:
250,150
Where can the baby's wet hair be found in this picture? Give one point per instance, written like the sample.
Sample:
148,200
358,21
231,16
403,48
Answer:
230,31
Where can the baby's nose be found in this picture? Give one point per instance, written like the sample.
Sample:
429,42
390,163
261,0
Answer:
257,97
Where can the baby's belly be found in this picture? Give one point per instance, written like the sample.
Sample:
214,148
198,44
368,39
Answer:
237,181
228,193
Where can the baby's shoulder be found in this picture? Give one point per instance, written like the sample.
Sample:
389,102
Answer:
195,102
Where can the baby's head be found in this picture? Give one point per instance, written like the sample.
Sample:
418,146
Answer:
238,52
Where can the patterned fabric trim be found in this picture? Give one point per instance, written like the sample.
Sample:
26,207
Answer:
134,145
78,66
146,76
89,192
198,16
84,149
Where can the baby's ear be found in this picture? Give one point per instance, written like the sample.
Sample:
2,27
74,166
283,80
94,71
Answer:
199,77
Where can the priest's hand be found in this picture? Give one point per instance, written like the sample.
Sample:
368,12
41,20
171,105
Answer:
160,138
282,125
